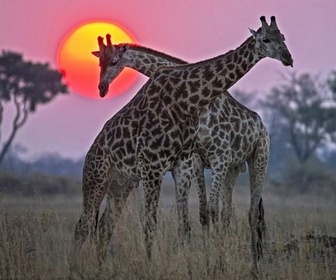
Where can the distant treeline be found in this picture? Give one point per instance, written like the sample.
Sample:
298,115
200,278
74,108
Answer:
53,174
50,174
37,183
50,164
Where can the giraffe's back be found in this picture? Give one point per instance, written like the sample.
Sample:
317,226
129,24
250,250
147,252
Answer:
228,131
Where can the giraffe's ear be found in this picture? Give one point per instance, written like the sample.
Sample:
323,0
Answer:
96,53
253,32
123,48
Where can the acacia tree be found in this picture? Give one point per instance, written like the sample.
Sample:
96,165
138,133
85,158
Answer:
25,85
305,110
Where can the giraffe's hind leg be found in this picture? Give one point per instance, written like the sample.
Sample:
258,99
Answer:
198,169
95,184
116,198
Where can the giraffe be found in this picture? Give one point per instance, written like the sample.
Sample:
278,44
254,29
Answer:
221,111
148,63
156,129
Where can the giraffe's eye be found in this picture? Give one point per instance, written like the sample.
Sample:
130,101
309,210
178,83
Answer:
114,63
266,41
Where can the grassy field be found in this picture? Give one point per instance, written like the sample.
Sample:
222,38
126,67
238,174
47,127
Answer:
36,236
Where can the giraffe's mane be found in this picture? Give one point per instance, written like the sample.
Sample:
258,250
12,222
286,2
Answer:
215,58
182,64
154,52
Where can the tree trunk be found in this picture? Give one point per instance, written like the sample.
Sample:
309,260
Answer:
19,120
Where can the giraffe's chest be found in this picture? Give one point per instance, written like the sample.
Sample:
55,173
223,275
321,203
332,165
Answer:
163,140
149,142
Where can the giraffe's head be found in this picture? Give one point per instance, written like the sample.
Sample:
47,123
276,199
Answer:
109,57
271,43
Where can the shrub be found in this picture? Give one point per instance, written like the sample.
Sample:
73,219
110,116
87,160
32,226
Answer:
312,177
38,183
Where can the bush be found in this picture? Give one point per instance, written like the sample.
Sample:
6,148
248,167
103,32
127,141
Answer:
312,177
10,183
38,183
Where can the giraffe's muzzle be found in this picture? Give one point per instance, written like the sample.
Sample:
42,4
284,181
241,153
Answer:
103,89
287,59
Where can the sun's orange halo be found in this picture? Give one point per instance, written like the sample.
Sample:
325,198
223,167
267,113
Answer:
80,67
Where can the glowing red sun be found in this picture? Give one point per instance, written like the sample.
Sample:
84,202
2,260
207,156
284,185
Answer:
81,68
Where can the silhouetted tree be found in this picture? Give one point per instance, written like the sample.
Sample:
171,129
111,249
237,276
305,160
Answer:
25,85
332,83
305,113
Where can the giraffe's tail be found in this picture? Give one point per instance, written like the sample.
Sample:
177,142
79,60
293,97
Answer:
261,228
96,223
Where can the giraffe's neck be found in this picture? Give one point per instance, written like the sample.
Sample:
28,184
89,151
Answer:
196,85
147,61
233,65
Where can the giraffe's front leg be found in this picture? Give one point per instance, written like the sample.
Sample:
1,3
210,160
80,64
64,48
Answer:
218,175
226,192
152,186
214,204
182,173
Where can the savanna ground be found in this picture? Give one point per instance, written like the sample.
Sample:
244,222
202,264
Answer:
36,237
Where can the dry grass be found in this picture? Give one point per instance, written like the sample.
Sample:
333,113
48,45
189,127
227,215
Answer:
36,238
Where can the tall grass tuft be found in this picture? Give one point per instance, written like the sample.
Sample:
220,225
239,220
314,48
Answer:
36,238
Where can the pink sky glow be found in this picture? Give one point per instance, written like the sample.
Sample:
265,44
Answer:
192,30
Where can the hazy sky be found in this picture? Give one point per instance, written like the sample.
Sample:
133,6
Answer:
190,29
